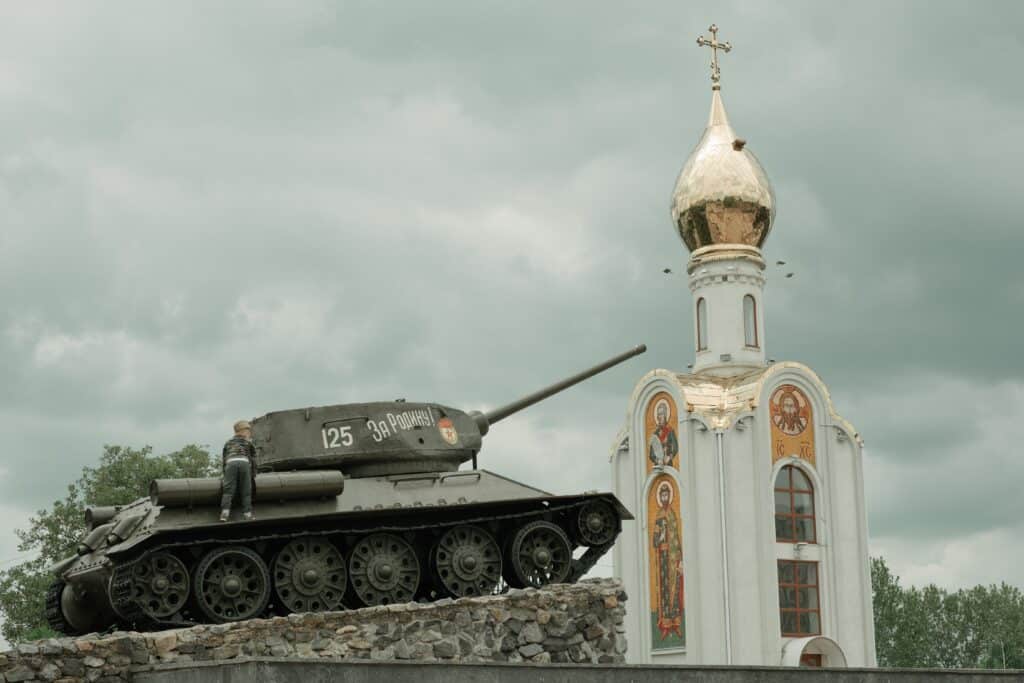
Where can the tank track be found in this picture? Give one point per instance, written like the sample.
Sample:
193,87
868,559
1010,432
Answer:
133,616
54,614
121,594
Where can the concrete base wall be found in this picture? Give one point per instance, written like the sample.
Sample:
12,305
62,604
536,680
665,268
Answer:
298,671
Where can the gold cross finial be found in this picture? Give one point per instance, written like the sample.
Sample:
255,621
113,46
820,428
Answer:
715,47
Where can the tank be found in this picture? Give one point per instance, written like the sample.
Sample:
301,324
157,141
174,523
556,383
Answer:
355,505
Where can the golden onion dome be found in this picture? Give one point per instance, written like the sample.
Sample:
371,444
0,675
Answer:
722,195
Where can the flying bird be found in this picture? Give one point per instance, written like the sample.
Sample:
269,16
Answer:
780,263
667,271
789,274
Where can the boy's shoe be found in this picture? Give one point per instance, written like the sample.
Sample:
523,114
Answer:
248,516
224,514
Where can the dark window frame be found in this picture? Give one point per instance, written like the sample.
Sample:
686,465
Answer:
796,585
702,339
792,516
753,321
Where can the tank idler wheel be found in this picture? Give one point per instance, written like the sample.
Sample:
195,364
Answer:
597,523
55,617
159,585
467,561
231,583
310,575
539,554
383,570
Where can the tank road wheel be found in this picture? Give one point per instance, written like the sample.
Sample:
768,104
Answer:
231,583
159,585
467,561
310,575
540,554
384,570
597,523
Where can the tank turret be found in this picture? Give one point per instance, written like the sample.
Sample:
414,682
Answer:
396,437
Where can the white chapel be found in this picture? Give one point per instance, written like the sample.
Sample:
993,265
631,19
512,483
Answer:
750,539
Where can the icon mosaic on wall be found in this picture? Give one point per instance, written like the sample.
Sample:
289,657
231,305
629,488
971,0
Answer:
667,600
664,524
660,425
792,424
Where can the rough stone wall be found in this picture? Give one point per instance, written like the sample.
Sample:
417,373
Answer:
578,623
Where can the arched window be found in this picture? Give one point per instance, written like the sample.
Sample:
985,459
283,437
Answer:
750,321
702,324
794,507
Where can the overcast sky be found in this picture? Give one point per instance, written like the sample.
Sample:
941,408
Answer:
210,211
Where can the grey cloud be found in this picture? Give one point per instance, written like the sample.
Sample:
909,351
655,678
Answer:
211,213
948,462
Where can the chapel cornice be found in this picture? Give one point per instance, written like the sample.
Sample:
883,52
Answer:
705,279
721,401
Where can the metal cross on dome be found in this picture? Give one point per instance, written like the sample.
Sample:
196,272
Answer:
715,47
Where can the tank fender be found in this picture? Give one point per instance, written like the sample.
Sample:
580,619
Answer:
58,568
619,507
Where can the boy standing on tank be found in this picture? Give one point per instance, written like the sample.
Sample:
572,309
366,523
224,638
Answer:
239,460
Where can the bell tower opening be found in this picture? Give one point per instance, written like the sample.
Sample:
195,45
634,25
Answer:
750,321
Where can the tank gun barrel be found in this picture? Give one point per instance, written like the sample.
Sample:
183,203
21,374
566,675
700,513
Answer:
485,420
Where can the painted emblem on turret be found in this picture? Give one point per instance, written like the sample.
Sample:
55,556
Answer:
447,429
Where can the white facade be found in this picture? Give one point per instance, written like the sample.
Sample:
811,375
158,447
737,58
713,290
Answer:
749,545
726,478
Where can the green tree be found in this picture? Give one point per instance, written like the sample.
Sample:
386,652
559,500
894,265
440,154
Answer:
1001,640
122,475
887,597
979,627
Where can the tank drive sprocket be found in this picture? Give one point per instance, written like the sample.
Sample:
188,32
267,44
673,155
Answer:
540,553
231,583
597,523
160,585
310,575
467,561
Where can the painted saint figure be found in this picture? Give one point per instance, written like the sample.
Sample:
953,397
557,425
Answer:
668,552
663,446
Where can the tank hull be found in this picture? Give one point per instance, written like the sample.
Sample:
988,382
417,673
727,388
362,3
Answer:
384,539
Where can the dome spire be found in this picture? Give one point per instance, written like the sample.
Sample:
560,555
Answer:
722,195
715,46
717,116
